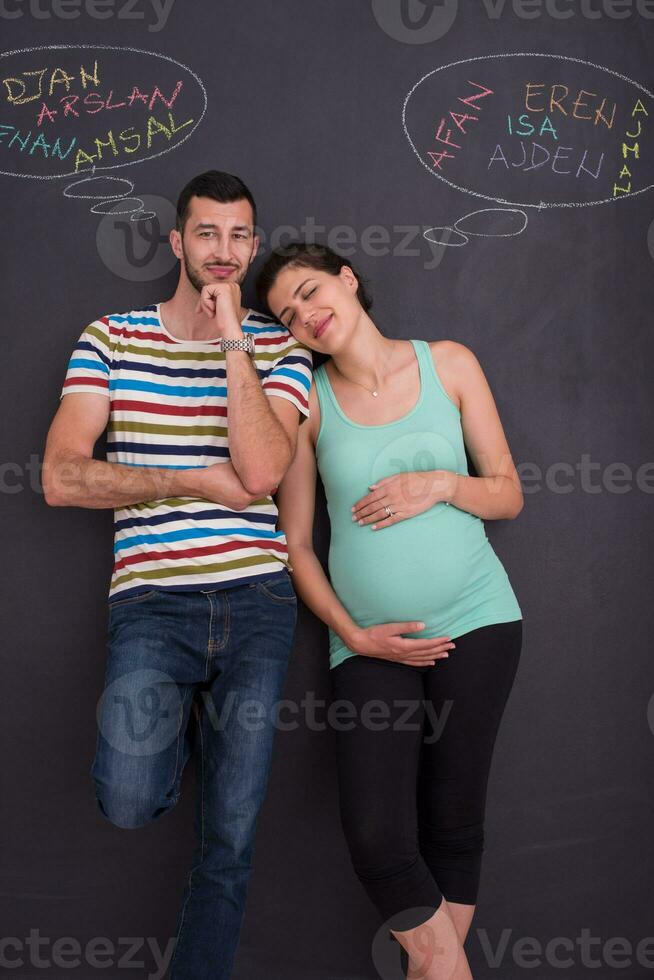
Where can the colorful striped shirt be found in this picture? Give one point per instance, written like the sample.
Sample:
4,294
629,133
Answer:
168,408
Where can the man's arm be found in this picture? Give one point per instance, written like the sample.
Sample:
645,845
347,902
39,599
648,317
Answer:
262,439
262,434
72,478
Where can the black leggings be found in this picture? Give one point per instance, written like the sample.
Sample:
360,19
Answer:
413,769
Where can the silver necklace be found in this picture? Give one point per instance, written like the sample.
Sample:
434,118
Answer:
372,391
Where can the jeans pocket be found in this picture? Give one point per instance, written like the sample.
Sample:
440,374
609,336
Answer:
132,600
279,588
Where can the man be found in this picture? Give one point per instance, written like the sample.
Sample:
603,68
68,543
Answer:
203,399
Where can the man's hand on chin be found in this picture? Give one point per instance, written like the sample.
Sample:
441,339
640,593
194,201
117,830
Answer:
222,302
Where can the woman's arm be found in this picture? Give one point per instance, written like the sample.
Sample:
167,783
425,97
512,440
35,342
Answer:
496,493
296,504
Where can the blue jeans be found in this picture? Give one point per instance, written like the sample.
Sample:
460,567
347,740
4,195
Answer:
224,654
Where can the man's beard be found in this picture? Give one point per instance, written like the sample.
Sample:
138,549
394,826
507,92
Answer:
194,275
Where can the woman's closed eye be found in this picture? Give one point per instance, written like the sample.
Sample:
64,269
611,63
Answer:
305,298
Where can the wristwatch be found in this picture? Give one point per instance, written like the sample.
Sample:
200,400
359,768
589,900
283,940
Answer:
242,343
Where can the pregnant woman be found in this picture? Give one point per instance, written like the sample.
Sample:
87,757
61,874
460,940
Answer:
422,618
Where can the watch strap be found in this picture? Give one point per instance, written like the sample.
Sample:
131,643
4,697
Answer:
245,343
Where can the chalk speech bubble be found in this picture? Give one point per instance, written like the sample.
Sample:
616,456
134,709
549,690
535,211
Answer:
533,130
70,110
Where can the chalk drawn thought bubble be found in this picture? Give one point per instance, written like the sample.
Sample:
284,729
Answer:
68,110
533,130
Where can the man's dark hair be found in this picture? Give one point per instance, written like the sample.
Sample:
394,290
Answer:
218,185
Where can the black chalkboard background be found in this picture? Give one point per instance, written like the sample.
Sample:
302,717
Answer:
304,100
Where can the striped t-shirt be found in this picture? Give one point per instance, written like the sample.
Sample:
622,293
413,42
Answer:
168,408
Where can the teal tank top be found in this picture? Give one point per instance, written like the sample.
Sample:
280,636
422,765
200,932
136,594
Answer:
437,567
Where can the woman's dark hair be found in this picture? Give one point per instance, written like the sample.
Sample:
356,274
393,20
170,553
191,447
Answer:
309,255
218,185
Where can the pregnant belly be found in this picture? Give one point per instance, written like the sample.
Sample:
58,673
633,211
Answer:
410,570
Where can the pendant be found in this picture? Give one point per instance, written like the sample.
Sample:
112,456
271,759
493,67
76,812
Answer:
374,394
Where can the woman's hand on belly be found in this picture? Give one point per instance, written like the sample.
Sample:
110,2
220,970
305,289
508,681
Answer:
406,495
386,642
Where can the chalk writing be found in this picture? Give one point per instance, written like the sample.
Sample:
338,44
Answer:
526,128
460,120
636,124
54,100
531,130
538,156
558,94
